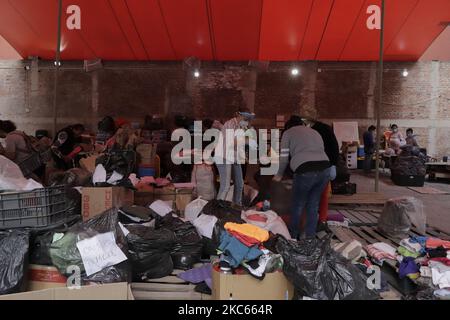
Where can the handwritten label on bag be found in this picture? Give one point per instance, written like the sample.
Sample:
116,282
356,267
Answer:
100,252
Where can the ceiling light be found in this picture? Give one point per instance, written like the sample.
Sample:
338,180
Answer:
405,73
294,71
196,74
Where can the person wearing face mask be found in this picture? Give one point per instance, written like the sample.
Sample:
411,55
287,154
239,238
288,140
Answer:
411,138
228,158
396,140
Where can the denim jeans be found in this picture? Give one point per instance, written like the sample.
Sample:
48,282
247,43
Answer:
225,182
306,193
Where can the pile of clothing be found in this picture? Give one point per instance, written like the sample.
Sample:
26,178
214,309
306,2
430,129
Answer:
410,162
242,244
425,260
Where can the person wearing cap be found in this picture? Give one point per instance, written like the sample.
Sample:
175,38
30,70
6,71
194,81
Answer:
66,145
228,159
309,162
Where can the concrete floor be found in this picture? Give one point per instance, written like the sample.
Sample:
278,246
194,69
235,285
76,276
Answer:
437,207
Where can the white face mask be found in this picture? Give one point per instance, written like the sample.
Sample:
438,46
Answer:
243,124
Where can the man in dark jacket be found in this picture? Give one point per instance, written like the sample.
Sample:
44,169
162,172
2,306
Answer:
369,148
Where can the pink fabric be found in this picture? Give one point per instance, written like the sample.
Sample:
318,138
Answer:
257,217
378,254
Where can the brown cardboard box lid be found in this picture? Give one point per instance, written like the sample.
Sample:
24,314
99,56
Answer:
112,291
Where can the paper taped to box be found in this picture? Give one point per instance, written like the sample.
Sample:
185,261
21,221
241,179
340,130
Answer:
99,252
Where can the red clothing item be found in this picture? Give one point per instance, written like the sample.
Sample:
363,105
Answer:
323,207
248,241
442,260
433,243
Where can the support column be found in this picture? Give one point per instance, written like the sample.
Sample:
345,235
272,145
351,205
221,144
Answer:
371,91
248,91
434,80
95,100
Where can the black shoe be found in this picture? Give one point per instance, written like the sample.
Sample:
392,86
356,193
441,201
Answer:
323,226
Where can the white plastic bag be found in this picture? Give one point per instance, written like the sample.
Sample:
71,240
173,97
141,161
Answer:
205,225
273,222
399,214
11,177
194,208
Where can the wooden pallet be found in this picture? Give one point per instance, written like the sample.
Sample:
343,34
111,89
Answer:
371,198
167,288
363,227
363,224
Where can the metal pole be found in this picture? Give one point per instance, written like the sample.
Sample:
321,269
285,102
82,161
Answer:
380,96
57,65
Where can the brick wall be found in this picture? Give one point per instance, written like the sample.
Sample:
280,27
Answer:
335,91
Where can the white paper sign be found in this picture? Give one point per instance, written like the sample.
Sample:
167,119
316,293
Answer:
161,208
100,252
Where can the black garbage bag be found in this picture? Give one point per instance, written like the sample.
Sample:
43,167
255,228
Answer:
64,252
181,173
121,161
188,246
149,251
210,245
318,272
135,214
13,260
73,202
40,243
224,210
75,177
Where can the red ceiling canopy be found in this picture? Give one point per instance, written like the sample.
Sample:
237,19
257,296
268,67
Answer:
277,30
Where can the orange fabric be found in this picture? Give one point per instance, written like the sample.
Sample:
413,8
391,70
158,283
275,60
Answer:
248,230
433,243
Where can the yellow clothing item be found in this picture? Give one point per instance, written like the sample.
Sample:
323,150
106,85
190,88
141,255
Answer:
248,230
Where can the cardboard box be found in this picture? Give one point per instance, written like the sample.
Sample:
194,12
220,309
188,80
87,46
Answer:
112,291
181,197
146,153
275,286
44,277
97,200
88,163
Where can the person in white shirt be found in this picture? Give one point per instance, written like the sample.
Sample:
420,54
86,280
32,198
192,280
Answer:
228,158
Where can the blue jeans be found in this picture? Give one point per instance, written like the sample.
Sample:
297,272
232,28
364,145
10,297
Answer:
306,193
225,182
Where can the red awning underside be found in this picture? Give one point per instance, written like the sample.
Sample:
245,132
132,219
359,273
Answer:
276,30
